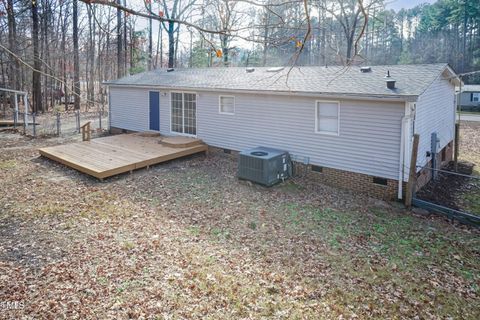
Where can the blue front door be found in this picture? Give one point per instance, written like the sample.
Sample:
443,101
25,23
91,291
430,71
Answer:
155,110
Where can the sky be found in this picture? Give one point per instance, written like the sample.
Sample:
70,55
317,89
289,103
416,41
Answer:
405,4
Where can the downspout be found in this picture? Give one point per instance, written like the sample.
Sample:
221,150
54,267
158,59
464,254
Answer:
401,160
109,111
409,116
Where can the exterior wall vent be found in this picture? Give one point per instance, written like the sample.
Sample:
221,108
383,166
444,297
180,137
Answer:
365,69
250,70
391,84
275,69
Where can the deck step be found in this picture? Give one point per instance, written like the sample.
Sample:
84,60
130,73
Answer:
180,142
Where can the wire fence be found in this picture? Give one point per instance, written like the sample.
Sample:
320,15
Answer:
453,194
58,123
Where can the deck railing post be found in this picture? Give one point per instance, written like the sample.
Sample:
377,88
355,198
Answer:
86,131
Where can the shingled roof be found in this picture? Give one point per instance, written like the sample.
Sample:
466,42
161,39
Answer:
411,80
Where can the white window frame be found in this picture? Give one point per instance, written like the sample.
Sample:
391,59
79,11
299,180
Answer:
338,118
220,105
475,96
183,117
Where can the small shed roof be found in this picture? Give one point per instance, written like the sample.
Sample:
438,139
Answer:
411,80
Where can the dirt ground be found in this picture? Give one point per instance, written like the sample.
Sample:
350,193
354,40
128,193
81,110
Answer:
187,240
459,192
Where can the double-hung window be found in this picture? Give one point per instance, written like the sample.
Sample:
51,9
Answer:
475,97
327,117
226,104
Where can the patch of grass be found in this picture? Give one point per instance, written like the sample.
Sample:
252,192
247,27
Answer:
252,225
194,231
50,209
472,200
128,245
290,186
221,234
8,164
103,281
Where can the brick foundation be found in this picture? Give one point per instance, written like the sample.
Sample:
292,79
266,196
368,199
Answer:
357,182
385,189
443,158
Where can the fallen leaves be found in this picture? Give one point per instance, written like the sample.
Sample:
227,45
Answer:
187,240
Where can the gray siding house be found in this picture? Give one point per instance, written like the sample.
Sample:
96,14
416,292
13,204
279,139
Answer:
470,97
354,125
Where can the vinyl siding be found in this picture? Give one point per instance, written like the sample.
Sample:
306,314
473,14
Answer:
435,112
369,140
465,100
129,108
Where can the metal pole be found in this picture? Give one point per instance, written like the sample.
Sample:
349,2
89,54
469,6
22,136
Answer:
457,125
24,123
100,120
433,146
15,116
34,125
58,124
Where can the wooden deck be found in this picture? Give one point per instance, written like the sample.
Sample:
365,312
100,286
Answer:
109,156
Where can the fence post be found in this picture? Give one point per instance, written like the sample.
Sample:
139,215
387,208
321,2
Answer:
15,116
412,177
24,123
34,125
434,145
457,146
58,124
77,118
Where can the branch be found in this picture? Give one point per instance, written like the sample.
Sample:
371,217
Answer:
39,71
153,16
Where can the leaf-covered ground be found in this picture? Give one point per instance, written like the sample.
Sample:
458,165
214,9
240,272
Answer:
470,152
187,240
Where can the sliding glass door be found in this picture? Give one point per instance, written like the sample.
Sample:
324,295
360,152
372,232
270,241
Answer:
184,113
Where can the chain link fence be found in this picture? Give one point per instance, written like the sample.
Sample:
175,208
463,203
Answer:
64,123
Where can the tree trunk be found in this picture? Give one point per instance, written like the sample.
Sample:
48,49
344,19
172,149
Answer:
120,65
14,71
150,40
76,59
224,40
171,44
37,85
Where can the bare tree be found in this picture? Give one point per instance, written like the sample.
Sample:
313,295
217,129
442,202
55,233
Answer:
76,59
37,89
